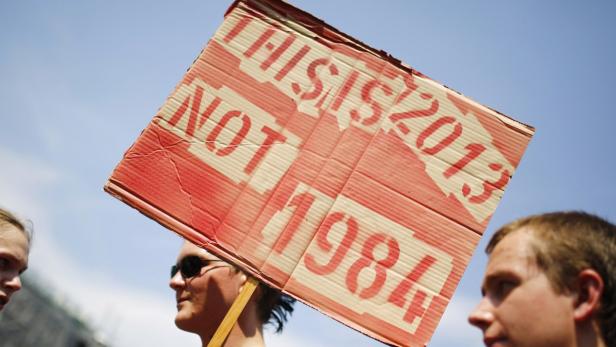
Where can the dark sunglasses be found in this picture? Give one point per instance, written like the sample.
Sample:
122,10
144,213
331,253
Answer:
191,266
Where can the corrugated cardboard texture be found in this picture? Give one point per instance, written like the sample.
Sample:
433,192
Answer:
325,168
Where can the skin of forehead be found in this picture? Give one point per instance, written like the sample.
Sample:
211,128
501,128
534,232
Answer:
189,248
15,242
513,254
10,231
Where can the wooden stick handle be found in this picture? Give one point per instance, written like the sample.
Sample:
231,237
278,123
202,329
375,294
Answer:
234,312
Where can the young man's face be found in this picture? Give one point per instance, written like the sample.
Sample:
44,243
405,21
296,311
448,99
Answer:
519,306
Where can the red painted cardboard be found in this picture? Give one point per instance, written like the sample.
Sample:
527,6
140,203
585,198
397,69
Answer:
325,168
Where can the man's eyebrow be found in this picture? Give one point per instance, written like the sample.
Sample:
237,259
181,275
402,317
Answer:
8,256
499,274
11,258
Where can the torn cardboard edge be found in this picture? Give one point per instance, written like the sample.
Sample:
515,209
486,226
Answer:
314,24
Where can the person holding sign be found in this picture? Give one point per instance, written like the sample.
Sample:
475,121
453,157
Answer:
206,287
550,281
14,249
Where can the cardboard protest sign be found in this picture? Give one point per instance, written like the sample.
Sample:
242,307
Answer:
325,168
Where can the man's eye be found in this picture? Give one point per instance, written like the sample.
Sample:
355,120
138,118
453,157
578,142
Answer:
504,287
4,263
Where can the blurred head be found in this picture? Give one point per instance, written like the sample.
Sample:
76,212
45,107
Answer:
550,282
14,248
206,286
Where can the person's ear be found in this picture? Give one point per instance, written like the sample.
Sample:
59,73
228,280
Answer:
589,286
242,280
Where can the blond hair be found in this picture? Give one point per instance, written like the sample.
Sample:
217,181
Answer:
7,218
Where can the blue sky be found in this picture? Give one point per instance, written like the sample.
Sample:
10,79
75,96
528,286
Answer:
81,79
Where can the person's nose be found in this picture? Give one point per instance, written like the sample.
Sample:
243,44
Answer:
13,283
177,281
483,315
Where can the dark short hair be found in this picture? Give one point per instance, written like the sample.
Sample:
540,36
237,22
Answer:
567,243
274,307
7,217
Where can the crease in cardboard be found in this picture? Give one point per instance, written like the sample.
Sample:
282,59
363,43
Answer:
169,157
290,220
315,231
132,154
303,250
